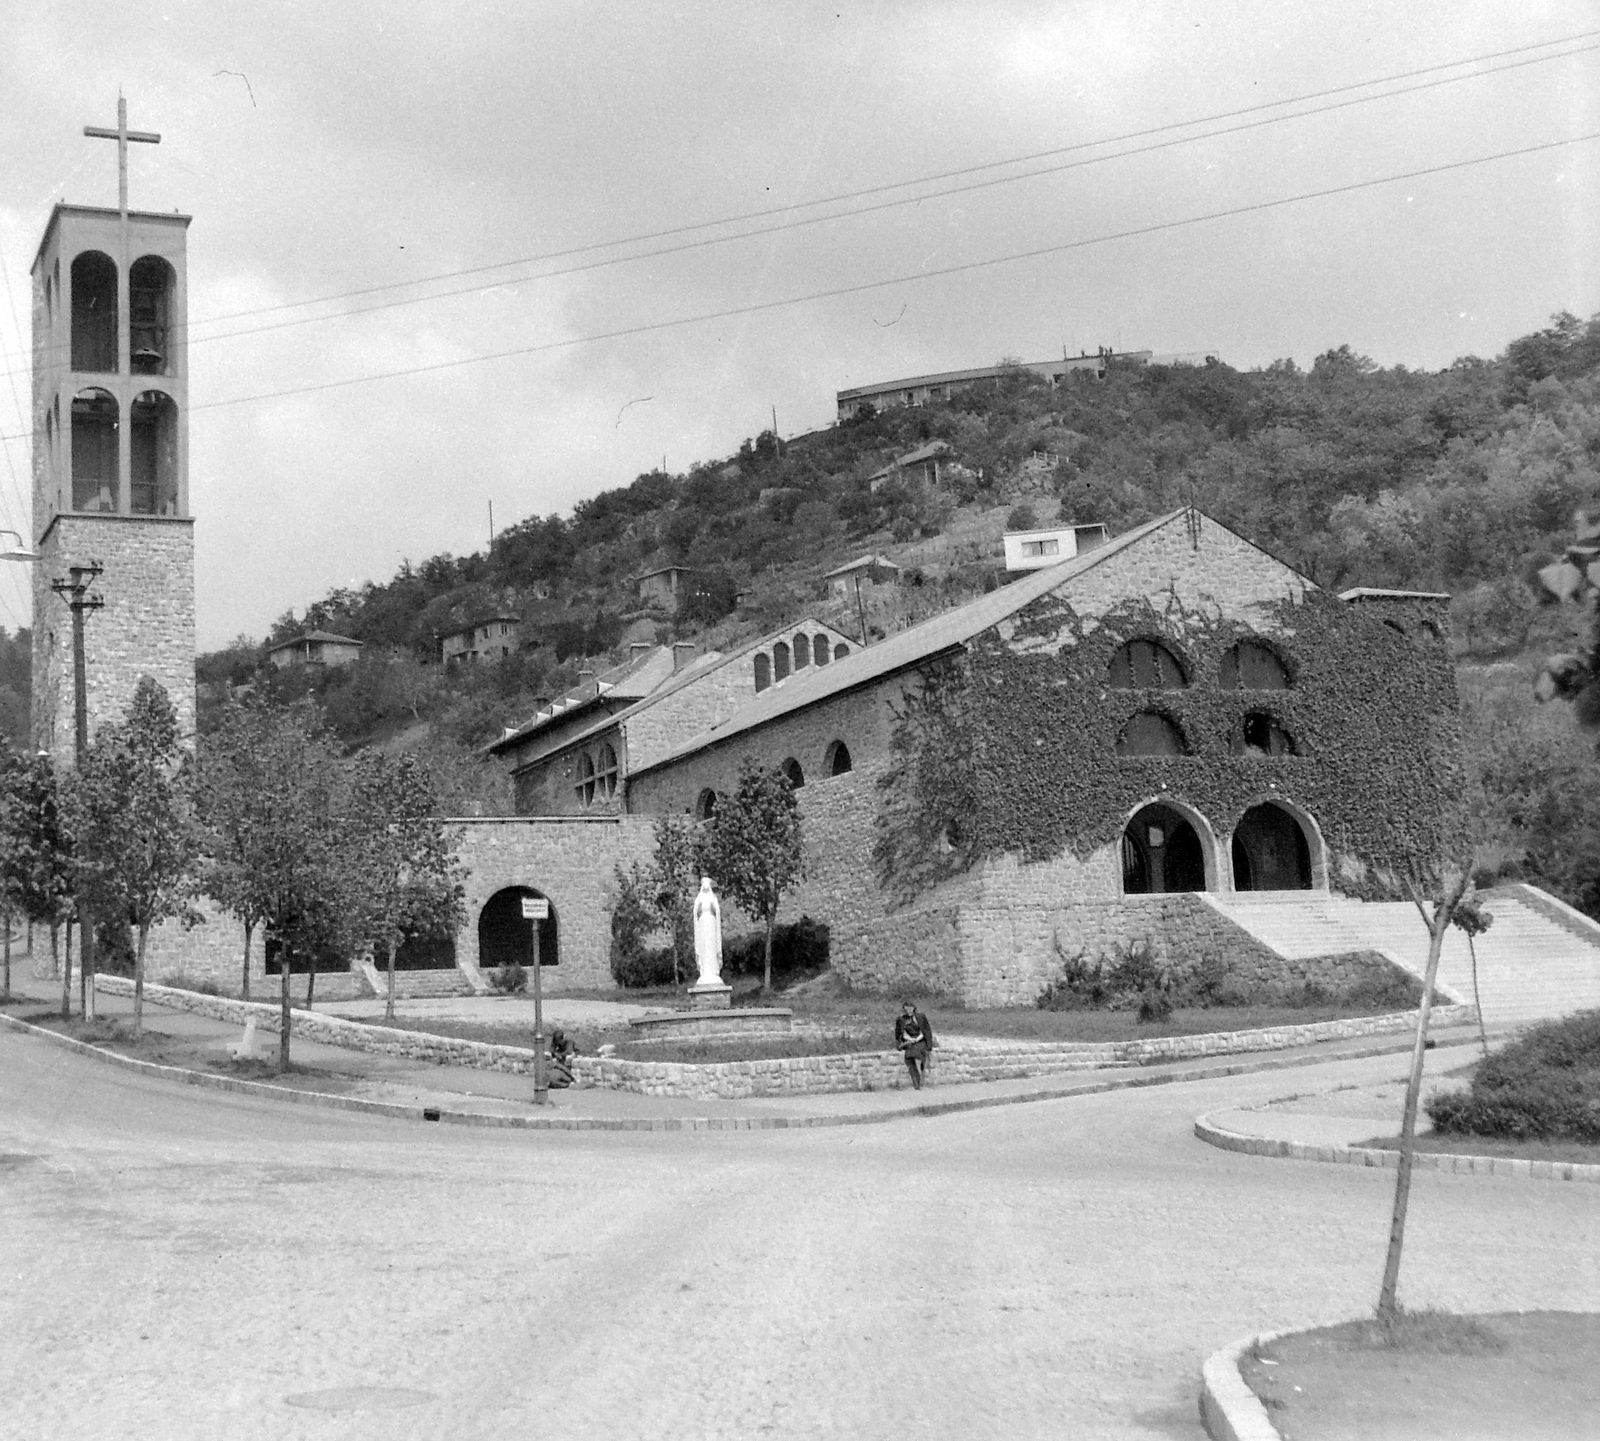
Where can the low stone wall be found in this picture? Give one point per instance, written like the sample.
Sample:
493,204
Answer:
796,1075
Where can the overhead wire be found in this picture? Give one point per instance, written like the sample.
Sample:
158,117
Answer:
805,221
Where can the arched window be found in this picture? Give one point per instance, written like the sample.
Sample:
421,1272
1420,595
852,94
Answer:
585,786
94,450
1260,735
1151,734
1252,666
505,938
819,649
792,773
94,312
1161,853
840,651
763,670
605,773
705,805
1145,665
1270,852
153,454
837,761
802,651
780,660
150,285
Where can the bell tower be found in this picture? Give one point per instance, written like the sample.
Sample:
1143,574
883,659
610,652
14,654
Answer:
111,457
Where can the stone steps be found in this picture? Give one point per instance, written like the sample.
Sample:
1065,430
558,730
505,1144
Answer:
1531,966
423,985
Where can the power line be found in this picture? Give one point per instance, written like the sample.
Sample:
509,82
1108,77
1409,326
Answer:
902,201
921,275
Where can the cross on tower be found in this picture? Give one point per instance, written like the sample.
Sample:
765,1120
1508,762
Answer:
122,135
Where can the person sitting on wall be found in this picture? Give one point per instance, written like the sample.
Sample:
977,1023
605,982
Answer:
560,1068
914,1038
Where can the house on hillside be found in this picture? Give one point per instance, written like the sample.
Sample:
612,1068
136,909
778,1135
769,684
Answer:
863,570
581,767
1034,549
315,647
661,587
483,642
927,389
920,465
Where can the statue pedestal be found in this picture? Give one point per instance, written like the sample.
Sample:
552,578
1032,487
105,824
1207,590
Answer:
714,997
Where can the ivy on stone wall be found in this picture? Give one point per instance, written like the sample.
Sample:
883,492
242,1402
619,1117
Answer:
1015,741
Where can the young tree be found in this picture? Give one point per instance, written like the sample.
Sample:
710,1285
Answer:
674,879
11,852
269,788
133,816
402,856
753,848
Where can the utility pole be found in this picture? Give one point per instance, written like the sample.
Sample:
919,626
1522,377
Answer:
75,591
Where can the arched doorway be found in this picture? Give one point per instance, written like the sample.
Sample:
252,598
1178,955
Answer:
1161,853
1270,852
504,937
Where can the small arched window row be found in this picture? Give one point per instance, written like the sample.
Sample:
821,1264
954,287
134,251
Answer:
151,283
705,805
795,655
1145,665
792,773
95,422
94,313
153,453
1152,733
597,776
1260,734
836,761
1252,665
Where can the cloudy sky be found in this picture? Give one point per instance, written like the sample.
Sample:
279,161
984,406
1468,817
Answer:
589,231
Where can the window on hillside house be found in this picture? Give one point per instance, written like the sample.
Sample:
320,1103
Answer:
819,649
763,671
837,761
1252,666
1145,665
1041,547
1151,734
605,775
793,774
585,786
780,660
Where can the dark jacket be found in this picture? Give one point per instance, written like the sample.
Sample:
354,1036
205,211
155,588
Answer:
913,1034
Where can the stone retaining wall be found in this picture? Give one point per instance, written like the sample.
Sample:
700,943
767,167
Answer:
796,1075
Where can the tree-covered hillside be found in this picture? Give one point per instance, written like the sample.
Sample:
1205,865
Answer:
1462,480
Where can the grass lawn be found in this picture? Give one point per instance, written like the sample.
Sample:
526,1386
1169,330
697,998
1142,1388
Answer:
1459,1145
164,1050
1531,1376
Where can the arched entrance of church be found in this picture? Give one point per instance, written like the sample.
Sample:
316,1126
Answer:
1270,851
505,938
1162,853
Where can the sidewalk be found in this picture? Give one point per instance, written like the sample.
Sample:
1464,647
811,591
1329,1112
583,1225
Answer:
465,1095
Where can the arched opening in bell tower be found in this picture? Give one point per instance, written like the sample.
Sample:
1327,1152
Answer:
94,312
153,454
150,285
94,449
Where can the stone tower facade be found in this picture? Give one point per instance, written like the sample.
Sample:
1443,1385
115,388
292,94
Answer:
111,463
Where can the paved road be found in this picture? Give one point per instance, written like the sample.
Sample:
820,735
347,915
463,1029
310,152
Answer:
180,1264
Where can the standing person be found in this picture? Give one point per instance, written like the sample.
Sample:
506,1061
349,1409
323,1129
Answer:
914,1037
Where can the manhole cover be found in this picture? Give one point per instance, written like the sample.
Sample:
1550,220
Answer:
359,1398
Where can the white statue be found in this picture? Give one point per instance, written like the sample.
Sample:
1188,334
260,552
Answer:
708,934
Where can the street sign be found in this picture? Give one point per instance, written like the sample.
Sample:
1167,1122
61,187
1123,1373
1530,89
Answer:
535,909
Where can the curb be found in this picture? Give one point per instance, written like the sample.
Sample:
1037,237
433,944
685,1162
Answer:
1229,1409
1212,1134
267,1090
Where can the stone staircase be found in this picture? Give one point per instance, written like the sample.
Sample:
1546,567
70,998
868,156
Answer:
1540,959
419,985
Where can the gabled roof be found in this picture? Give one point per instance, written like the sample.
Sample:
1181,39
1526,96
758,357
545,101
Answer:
662,570
481,620
635,678
862,562
323,636
935,636
704,666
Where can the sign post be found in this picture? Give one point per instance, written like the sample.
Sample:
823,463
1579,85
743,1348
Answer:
534,910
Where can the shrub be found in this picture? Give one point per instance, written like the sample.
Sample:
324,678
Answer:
1544,1086
648,966
509,979
796,950
1134,974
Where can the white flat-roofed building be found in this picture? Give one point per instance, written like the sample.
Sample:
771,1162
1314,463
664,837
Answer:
1034,549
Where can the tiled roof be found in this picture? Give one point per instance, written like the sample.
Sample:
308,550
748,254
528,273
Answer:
629,681
861,562
921,642
316,635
